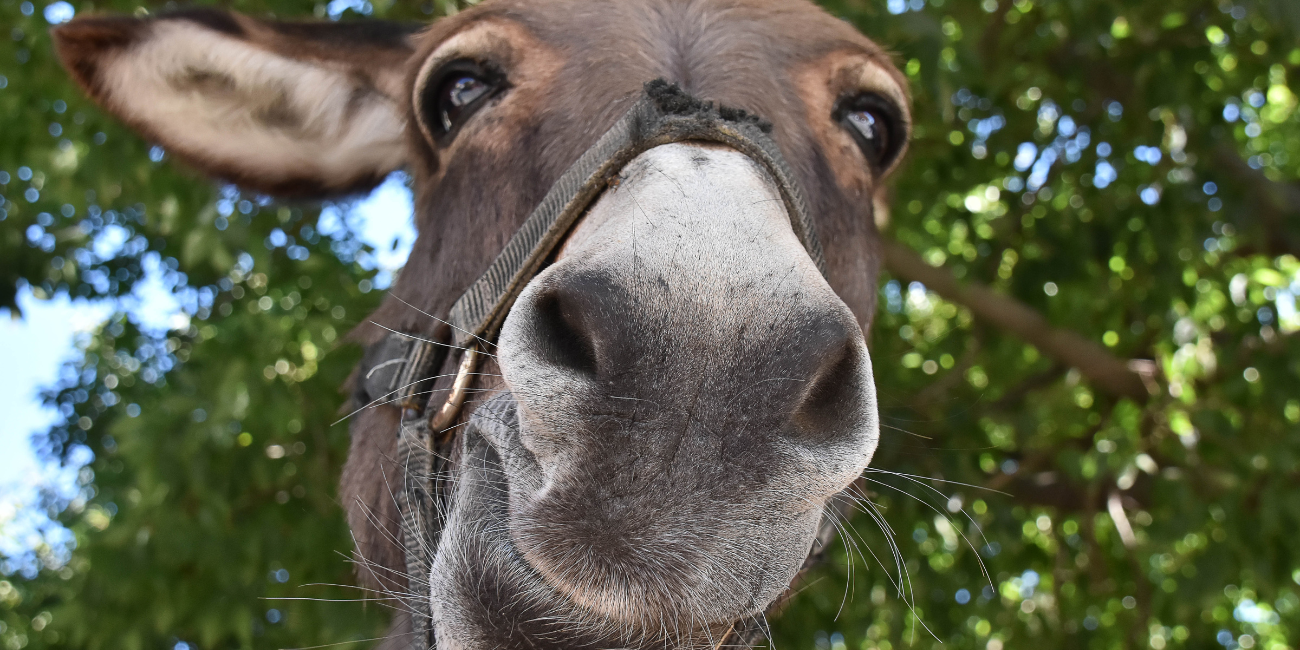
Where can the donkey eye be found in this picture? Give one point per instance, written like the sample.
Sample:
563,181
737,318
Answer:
454,93
875,123
869,127
457,95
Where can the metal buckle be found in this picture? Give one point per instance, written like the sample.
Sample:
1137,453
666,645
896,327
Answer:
450,409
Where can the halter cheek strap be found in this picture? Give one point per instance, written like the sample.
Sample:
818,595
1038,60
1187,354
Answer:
401,367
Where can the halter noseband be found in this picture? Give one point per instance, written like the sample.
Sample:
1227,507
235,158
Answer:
401,366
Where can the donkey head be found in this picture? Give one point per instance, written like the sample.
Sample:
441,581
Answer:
676,397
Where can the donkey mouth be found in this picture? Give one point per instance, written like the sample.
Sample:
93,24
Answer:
490,590
485,592
555,579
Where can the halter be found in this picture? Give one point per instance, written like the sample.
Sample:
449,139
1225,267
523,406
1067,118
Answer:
401,367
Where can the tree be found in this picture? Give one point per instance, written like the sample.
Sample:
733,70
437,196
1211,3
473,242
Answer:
1086,351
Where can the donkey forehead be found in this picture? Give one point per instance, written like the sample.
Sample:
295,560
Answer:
739,52
573,67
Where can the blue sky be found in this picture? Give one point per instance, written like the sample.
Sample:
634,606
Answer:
33,348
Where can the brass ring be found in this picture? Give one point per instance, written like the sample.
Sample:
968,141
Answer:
451,408
726,637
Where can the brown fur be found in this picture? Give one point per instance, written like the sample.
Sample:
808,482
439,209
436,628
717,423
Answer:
573,66
457,248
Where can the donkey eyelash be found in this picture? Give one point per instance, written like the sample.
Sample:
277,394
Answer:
453,92
875,123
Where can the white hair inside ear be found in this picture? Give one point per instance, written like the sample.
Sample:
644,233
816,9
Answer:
251,112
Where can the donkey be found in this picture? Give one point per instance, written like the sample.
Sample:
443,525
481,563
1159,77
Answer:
670,377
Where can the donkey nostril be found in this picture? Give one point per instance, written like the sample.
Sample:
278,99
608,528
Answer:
833,395
560,335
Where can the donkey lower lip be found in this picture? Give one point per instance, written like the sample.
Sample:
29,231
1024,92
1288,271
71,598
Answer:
486,594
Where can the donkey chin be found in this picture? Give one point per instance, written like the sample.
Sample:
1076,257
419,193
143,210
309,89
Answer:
611,494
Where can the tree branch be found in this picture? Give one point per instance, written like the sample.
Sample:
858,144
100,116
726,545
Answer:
1107,373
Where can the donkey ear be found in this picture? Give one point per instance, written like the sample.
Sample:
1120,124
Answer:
291,109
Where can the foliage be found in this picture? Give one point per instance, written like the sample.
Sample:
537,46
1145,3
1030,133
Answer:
1117,167
212,493
1128,169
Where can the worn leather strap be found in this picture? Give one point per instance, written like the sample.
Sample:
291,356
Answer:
399,370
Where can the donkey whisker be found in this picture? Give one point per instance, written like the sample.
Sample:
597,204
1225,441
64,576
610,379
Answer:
432,342
458,329
901,430
329,600
330,645
983,569
379,399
